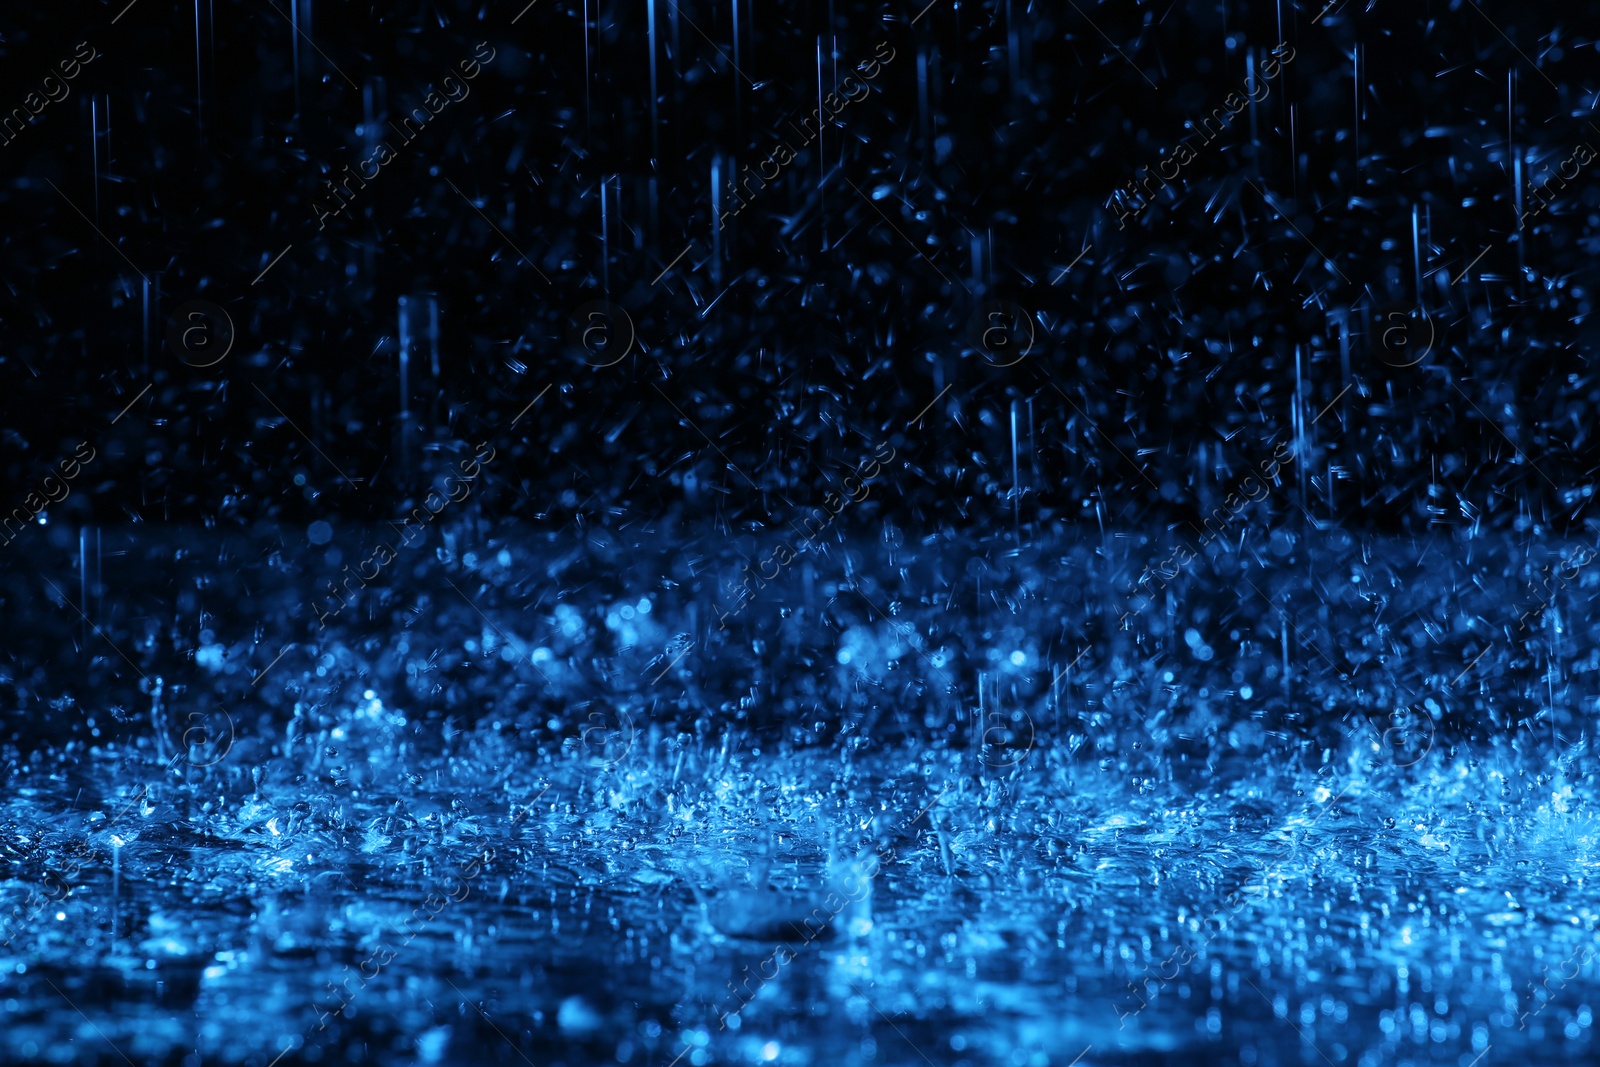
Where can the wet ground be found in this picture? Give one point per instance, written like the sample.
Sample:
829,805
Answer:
522,801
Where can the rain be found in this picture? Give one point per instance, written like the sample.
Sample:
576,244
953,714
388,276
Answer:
702,532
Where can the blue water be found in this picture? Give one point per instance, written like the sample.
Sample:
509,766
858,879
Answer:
489,837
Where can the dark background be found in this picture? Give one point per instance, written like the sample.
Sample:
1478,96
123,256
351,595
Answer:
1166,361
1400,634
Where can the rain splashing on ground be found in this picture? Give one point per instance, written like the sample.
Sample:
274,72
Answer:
573,533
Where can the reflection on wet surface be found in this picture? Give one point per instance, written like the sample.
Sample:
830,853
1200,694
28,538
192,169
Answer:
1384,916
492,839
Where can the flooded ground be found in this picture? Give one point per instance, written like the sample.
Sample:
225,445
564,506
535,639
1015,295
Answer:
525,803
